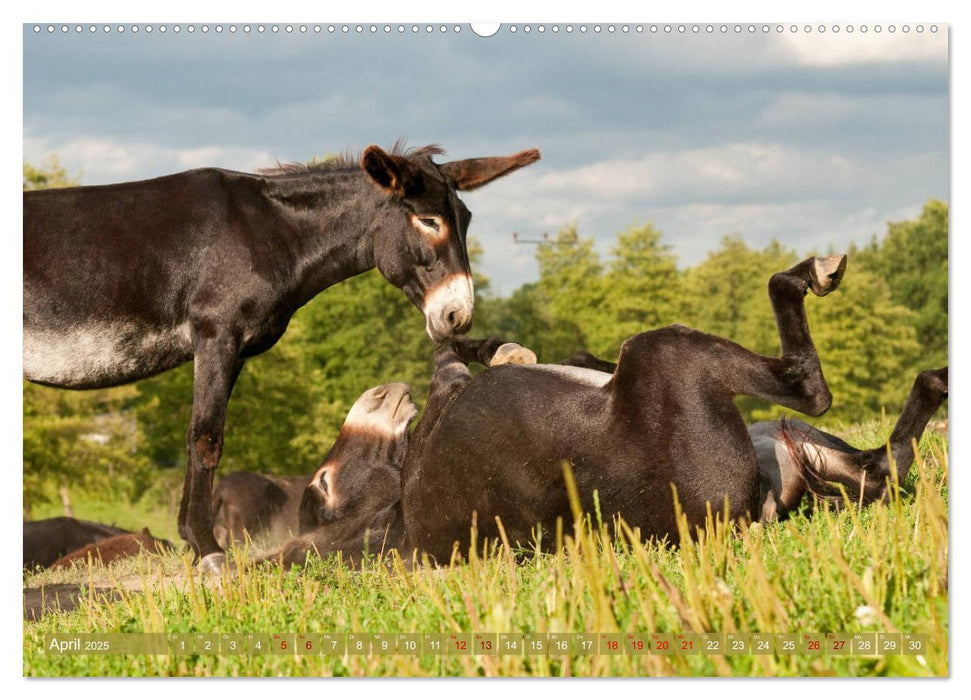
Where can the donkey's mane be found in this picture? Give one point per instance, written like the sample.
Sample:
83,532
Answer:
349,160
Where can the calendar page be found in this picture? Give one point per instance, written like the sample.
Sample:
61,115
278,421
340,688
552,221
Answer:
485,350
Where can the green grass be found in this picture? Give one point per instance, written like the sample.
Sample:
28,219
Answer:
805,575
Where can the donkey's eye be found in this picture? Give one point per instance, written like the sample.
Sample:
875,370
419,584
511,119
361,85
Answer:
323,484
430,223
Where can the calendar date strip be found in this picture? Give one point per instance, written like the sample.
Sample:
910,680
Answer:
491,644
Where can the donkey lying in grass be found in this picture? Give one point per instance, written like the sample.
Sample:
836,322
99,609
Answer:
115,548
263,507
47,540
124,281
795,458
494,446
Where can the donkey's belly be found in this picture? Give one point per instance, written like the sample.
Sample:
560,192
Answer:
97,355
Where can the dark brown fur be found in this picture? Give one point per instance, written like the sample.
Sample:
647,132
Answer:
209,265
114,548
47,540
494,445
264,507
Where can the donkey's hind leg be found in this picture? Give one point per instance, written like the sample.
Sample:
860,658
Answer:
794,380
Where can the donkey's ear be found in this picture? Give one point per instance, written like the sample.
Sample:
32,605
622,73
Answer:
476,172
394,174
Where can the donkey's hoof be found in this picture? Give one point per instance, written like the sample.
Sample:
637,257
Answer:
214,563
826,273
513,354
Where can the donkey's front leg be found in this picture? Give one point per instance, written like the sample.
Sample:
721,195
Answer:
217,365
490,352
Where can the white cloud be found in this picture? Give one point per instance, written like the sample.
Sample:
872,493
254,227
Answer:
835,49
100,161
731,170
807,198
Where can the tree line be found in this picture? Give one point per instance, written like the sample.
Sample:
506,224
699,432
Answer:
887,321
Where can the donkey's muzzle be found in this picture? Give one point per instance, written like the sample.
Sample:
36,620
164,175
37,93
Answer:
450,321
449,308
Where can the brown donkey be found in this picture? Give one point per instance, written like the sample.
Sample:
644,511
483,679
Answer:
263,507
350,504
796,458
494,445
125,281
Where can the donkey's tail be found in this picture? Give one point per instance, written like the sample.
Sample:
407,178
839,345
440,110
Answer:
808,459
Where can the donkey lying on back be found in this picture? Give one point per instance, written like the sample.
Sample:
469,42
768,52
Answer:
125,281
494,445
793,459
796,458
351,503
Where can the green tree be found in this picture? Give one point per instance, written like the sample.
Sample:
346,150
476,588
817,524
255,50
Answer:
912,259
867,345
571,293
526,317
50,174
643,288
81,440
727,293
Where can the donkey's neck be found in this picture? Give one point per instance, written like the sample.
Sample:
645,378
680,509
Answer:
326,220
370,447
921,404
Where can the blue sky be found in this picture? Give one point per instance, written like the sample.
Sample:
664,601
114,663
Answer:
813,139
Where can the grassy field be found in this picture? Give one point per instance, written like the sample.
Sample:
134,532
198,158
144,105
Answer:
880,569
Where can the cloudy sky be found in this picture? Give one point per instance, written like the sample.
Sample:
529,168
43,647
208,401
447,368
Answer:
814,139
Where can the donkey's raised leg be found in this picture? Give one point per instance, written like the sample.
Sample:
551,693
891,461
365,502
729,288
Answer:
217,365
794,380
